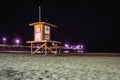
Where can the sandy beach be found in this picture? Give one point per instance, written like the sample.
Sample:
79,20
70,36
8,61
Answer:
40,67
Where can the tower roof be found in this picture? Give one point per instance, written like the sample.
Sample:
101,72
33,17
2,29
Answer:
43,23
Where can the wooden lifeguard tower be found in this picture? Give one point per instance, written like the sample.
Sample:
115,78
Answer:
42,36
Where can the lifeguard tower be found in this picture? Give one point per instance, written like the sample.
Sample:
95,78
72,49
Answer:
42,37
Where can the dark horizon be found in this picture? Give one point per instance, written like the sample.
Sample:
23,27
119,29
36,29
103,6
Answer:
95,24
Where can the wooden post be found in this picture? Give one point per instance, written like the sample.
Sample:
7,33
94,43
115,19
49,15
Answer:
59,49
56,48
45,48
31,48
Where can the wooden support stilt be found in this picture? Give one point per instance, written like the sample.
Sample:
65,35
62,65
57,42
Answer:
31,49
56,49
59,49
45,48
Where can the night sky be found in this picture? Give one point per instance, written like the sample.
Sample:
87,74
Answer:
95,24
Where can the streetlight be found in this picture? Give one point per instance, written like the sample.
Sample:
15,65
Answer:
17,41
4,41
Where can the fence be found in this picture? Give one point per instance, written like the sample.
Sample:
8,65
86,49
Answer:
14,48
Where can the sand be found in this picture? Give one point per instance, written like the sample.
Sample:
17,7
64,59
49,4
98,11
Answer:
39,67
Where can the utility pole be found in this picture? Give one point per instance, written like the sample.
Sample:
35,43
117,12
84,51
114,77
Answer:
39,10
39,14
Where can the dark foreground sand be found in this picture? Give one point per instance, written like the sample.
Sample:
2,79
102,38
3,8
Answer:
92,54
63,67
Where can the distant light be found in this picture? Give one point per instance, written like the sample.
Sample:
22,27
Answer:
53,44
54,52
66,46
17,41
4,39
66,51
80,51
78,47
81,46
